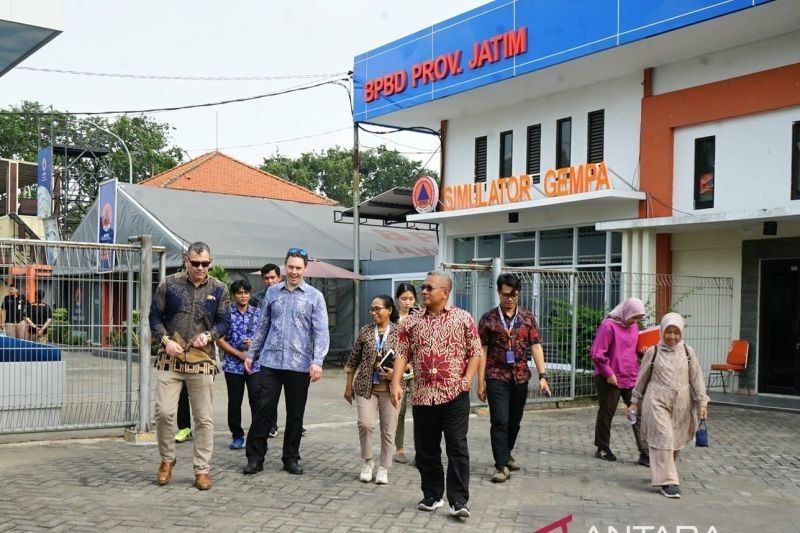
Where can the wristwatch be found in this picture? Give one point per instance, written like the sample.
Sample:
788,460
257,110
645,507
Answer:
165,340
543,376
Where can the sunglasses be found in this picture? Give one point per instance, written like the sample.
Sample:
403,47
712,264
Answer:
198,264
376,309
428,287
509,296
297,251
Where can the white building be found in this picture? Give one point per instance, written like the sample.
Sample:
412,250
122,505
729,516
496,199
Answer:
642,137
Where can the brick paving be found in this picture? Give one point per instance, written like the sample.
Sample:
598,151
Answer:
748,480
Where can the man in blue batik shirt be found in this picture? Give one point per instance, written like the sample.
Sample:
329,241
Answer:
235,344
290,343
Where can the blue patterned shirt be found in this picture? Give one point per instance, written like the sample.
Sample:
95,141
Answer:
292,332
243,326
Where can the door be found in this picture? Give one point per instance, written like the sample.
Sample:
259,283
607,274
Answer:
779,331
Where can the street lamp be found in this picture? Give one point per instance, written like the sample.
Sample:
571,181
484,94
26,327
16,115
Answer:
130,161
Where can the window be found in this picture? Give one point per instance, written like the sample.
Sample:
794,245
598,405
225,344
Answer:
480,158
506,153
488,246
796,161
533,164
519,249
463,249
563,142
594,142
555,247
591,246
704,172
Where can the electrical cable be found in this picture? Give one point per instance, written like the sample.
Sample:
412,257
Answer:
181,78
320,134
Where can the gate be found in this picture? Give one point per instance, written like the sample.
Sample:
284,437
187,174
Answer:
83,370
569,305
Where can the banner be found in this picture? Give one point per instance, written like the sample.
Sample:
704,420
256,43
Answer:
51,233
44,182
106,222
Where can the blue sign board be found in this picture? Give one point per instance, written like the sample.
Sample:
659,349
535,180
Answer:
107,222
44,182
508,38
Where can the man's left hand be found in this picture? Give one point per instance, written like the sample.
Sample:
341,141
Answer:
200,341
316,373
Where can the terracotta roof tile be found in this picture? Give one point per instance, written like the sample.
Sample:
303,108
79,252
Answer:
220,173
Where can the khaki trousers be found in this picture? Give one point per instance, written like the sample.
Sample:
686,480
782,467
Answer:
380,403
15,330
200,389
662,467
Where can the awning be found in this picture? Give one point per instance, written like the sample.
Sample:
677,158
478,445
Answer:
389,208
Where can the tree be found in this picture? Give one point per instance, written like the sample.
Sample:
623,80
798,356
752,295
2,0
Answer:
330,172
25,128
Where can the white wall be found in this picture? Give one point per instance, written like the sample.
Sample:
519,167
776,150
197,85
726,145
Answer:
620,98
747,59
42,13
752,162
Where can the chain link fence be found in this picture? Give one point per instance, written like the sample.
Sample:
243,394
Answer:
570,304
69,352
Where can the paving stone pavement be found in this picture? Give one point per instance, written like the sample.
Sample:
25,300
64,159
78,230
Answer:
748,480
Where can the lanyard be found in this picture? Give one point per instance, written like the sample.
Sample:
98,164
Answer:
509,327
381,340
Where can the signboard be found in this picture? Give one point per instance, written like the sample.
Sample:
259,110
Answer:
44,182
106,222
425,195
51,233
589,177
508,38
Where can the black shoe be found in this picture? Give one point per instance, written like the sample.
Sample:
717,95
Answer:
273,432
671,491
253,468
293,468
459,509
303,432
605,454
430,504
644,458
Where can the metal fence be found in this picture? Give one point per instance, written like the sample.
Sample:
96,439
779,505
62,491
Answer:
83,372
570,304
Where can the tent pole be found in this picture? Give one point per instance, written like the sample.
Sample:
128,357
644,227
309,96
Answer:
356,221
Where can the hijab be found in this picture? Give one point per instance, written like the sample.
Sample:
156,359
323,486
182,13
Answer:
670,319
630,307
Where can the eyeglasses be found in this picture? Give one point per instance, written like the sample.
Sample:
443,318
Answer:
428,287
509,296
297,251
376,309
198,264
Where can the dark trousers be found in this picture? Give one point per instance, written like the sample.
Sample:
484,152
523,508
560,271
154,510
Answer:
608,396
184,413
295,390
236,384
430,422
506,403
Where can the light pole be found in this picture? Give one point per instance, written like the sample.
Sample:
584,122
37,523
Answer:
130,161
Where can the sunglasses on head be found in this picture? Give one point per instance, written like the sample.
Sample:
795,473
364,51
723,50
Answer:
297,251
197,264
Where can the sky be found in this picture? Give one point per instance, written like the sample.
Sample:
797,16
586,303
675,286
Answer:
233,38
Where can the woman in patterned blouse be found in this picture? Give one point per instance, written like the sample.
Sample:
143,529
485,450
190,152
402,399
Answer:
369,371
406,296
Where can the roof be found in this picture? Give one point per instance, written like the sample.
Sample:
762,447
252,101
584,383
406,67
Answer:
245,232
216,172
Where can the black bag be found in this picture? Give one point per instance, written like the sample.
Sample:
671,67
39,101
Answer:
701,435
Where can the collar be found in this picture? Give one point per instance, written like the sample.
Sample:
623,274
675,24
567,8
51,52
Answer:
189,281
302,286
446,309
249,309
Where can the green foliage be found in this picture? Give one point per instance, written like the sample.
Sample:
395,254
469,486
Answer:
330,172
559,327
219,273
60,330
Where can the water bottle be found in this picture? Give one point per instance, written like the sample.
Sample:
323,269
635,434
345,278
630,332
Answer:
632,416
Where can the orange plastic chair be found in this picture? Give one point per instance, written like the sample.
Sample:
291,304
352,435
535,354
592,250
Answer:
736,362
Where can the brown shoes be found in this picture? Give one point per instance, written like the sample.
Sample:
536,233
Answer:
202,481
164,474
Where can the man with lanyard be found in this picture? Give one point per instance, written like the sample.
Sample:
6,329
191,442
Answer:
189,311
443,347
507,334
13,311
290,343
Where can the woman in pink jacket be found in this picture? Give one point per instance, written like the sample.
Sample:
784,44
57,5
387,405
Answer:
616,366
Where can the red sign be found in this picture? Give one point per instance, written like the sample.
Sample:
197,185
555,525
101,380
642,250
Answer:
425,195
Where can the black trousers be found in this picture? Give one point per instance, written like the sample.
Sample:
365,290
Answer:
608,396
430,422
506,404
236,384
184,413
295,390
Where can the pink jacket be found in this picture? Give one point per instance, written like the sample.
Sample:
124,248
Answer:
614,352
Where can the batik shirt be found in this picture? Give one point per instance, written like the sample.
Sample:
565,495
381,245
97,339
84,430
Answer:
180,307
243,326
438,348
494,335
292,331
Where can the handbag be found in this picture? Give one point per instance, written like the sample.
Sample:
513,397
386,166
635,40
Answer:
701,435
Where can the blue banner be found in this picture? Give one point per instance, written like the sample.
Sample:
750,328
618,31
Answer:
44,182
106,222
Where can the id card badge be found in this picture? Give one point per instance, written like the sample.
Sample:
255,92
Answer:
510,357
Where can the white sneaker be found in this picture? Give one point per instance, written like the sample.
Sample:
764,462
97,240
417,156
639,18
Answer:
382,476
366,471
